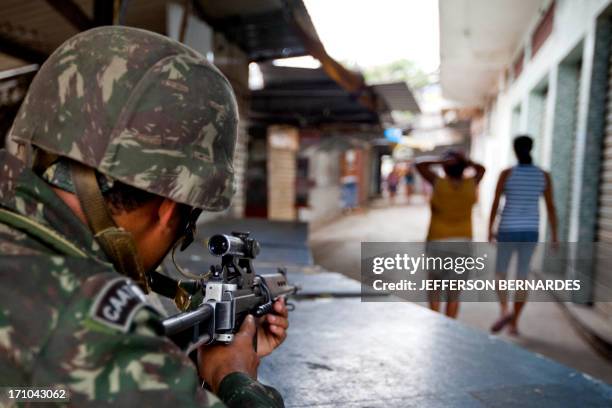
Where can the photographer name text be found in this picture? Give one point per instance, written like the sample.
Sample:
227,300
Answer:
478,284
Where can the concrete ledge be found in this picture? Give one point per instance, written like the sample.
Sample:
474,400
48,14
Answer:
347,353
592,326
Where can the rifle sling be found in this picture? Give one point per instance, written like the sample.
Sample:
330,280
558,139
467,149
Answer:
163,285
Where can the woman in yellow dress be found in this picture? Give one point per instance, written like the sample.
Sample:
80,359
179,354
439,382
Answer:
453,197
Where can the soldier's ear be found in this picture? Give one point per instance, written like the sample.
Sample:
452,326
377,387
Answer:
167,213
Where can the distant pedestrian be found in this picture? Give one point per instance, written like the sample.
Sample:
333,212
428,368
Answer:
350,180
522,186
409,180
350,200
451,203
393,180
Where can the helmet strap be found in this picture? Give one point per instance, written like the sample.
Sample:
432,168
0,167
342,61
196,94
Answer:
42,160
117,243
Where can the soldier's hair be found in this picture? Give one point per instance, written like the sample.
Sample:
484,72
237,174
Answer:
119,197
122,198
125,198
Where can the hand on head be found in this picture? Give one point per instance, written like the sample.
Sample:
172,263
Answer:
454,157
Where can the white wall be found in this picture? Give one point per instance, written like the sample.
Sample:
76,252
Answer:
574,22
324,198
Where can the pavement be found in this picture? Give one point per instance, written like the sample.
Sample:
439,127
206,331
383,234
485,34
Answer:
545,327
345,353
342,352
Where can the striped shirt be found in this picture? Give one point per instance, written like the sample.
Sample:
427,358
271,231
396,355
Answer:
522,190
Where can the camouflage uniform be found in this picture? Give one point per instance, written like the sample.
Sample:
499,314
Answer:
156,116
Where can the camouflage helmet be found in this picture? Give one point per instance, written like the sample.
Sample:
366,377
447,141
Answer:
140,108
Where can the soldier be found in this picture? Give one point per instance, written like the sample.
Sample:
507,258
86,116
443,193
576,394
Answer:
131,137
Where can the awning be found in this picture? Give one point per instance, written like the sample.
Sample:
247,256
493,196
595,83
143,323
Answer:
397,97
305,97
263,29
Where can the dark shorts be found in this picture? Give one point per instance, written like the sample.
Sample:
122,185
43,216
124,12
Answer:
456,249
523,243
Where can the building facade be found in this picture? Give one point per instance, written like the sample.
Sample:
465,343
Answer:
544,71
553,86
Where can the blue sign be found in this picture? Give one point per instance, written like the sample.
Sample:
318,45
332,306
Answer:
393,134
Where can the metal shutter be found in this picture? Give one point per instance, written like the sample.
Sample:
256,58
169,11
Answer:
604,222
603,270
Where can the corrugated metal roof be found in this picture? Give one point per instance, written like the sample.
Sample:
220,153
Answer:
397,96
264,29
305,97
36,24
8,62
229,8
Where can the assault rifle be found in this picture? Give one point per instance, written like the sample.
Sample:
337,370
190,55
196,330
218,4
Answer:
231,293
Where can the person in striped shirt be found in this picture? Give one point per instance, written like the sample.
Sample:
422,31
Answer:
522,186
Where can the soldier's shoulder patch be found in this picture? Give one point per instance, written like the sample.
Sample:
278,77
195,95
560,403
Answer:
117,303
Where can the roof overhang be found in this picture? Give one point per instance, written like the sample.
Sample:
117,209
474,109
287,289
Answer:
305,97
263,29
478,39
312,97
397,96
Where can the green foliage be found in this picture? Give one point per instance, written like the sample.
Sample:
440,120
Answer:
400,70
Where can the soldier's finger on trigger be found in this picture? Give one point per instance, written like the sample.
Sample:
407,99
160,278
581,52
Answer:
278,321
248,328
281,308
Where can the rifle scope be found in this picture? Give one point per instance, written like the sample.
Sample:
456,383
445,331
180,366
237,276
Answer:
237,244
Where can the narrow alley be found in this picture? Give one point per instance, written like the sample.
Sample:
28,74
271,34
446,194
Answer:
545,327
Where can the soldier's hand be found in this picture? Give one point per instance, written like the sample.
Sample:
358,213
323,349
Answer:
272,329
217,361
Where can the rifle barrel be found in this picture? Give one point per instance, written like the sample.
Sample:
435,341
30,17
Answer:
183,321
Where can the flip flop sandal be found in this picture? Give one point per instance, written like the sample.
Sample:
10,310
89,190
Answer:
501,323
